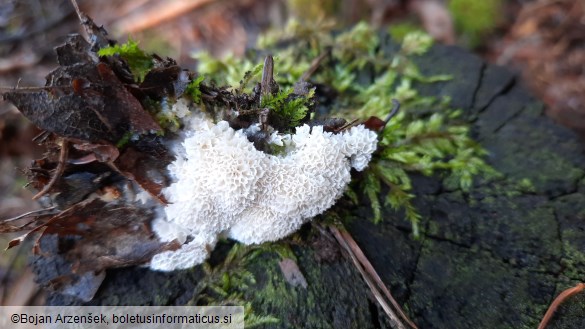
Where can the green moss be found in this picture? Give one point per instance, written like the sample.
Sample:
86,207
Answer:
228,282
573,261
249,76
161,112
193,89
416,43
291,110
138,61
474,19
356,47
316,306
273,288
400,30
227,71
525,185
125,139
463,283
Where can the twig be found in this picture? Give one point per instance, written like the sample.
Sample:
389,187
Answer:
315,65
267,77
371,282
370,269
4,89
347,125
82,18
41,137
266,89
96,35
58,171
50,221
395,321
555,304
30,213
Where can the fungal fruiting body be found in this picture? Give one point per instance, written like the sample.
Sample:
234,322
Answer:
223,185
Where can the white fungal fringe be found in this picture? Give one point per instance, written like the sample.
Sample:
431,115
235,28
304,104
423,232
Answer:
223,185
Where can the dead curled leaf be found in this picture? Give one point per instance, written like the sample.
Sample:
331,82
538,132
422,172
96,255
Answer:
87,106
375,123
107,234
83,99
93,235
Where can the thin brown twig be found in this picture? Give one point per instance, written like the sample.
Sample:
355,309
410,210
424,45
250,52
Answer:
370,269
96,35
58,171
394,319
4,89
50,221
30,213
557,302
315,65
77,11
346,126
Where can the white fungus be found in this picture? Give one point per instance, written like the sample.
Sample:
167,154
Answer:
181,108
223,185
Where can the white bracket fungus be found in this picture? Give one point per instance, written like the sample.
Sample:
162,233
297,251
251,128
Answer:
223,185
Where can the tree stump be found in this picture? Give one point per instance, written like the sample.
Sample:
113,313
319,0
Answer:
492,258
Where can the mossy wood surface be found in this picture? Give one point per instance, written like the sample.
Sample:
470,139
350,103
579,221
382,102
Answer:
492,258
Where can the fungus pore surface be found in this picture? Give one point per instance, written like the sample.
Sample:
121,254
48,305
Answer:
223,185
